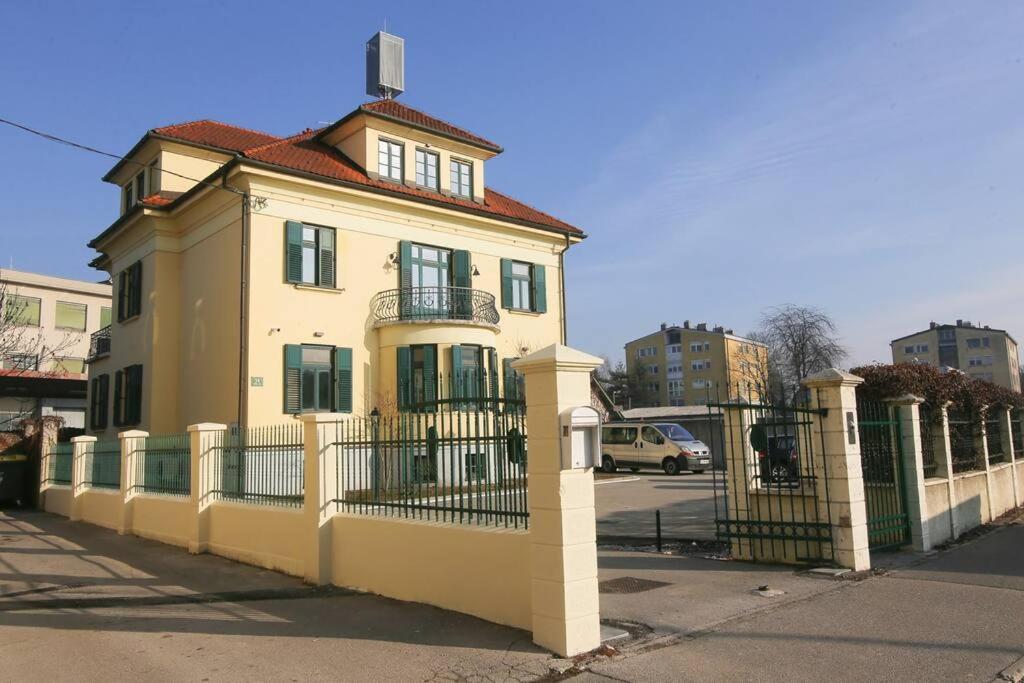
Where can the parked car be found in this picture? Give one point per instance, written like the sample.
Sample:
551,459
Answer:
779,459
665,446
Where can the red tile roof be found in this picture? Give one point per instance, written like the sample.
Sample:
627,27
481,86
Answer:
216,134
305,153
162,198
43,374
393,109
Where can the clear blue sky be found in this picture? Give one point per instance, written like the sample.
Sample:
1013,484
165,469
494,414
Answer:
861,157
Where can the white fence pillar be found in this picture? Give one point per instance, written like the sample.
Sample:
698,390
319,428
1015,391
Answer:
908,413
563,540
204,477
133,443
834,391
80,446
1009,452
321,472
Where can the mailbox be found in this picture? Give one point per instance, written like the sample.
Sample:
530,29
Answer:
581,437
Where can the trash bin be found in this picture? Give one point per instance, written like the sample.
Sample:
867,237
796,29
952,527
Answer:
14,471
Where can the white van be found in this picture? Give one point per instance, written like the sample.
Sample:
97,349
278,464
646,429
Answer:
663,445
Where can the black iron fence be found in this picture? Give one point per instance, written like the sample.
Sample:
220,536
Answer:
459,459
962,444
929,426
434,303
994,439
258,465
99,344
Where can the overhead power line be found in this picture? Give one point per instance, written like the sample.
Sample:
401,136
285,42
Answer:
87,148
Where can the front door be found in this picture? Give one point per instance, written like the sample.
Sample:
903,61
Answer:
431,278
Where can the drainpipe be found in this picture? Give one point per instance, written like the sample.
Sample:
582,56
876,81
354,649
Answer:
243,300
561,275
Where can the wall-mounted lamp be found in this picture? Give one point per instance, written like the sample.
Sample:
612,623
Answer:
476,271
274,330
393,257
318,334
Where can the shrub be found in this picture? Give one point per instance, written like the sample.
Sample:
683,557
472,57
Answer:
966,393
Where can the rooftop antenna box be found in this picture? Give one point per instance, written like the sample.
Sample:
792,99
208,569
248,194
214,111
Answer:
385,66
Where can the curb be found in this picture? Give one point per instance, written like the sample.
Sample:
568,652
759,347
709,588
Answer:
1013,673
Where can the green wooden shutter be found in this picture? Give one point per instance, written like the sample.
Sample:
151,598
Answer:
293,378
404,376
293,251
134,400
462,299
327,257
343,380
135,289
506,283
458,375
540,289
405,297
118,395
430,373
492,370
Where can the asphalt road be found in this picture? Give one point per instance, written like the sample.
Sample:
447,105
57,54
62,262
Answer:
626,508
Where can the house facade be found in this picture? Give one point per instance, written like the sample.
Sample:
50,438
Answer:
982,352
357,267
48,322
684,365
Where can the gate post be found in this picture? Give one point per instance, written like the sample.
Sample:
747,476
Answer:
79,459
1006,436
908,412
133,445
563,536
835,392
204,478
320,471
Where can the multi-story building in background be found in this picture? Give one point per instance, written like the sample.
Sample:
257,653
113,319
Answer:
47,327
981,351
683,366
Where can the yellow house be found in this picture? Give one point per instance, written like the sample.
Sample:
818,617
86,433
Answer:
684,366
341,269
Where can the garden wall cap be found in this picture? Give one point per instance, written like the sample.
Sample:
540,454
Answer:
560,356
832,377
906,400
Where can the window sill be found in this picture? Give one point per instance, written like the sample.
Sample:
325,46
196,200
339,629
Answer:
70,329
317,288
522,311
129,320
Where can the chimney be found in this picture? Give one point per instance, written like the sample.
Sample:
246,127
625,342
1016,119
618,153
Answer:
686,324
719,329
703,327
729,331
664,326
959,322
932,325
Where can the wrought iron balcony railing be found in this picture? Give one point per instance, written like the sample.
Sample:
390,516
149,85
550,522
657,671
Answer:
99,344
432,304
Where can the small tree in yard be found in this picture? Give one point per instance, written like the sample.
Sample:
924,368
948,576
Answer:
625,388
801,340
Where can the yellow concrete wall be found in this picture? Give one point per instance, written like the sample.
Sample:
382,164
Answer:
266,537
100,507
478,571
57,499
163,518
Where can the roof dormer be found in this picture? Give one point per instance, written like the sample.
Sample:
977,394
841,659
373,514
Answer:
395,143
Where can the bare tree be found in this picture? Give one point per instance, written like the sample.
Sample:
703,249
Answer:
801,340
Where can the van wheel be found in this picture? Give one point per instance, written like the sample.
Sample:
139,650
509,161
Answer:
607,464
670,466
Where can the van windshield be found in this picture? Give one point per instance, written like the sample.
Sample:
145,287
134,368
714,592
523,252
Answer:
675,433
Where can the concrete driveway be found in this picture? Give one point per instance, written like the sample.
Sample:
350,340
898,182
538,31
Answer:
626,508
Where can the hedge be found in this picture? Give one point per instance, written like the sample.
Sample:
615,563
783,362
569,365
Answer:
935,387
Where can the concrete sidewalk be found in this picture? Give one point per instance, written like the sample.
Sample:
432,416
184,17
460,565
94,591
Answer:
953,616
81,602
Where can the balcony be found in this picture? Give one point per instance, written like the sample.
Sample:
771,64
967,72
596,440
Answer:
434,304
99,344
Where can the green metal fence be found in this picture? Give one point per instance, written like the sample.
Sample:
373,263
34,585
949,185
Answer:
103,464
163,464
994,440
963,454
881,456
450,460
59,471
258,465
928,425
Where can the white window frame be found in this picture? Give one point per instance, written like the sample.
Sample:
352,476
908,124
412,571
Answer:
387,157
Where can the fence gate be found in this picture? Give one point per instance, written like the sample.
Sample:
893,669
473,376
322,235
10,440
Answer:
885,492
772,501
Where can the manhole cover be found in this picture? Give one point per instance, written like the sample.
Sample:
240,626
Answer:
629,584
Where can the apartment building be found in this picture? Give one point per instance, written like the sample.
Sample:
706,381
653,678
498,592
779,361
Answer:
345,269
981,351
47,323
684,365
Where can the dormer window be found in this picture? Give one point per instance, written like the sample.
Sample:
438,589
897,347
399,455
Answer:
427,165
129,197
389,160
462,178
